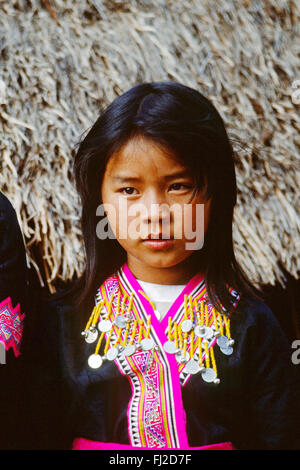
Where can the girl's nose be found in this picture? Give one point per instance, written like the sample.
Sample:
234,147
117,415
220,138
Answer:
156,208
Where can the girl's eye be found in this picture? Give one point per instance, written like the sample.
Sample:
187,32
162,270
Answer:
128,191
179,186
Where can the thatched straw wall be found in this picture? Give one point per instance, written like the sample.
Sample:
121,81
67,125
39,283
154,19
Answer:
62,60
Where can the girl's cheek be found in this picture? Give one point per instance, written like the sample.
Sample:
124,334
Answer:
124,226
178,218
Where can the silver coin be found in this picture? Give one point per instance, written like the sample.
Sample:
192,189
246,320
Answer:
112,353
120,321
222,341
91,336
95,361
180,357
105,326
170,347
192,367
129,350
200,331
208,375
147,344
208,332
186,326
228,350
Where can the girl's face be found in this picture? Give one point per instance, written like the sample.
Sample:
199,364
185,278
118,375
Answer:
146,192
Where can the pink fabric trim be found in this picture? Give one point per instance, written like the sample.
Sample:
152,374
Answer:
85,444
159,329
11,325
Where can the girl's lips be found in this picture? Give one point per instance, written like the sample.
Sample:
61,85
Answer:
158,244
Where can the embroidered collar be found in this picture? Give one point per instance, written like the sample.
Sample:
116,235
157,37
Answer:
124,315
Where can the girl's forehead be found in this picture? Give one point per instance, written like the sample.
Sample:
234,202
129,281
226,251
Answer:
145,156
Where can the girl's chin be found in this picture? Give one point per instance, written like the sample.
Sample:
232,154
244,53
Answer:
161,259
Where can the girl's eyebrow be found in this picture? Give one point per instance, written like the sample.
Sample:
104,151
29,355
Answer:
178,174
123,179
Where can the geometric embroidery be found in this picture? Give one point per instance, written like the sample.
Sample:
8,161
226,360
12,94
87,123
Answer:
145,375
11,325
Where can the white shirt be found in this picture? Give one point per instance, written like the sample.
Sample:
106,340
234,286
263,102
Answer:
162,295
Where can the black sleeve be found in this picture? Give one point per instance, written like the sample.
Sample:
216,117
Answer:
13,314
13,269
272,381
48,403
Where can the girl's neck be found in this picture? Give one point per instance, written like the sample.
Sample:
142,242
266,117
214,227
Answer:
178,274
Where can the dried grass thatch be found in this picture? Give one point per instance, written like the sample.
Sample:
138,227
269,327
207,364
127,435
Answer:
61,60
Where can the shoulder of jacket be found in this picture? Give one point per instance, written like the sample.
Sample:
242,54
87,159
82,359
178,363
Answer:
6,206
256,313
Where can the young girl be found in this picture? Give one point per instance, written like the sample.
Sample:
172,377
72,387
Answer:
163,343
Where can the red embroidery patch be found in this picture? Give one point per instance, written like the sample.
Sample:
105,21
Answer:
11,325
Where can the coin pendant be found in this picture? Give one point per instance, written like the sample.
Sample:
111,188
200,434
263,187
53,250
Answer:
186,326
192,367
200,331
95,361
208,375
129,350
120,321
147,344
112,353
180,357
104,326
91,336
222,341
228,350
208,332
170,347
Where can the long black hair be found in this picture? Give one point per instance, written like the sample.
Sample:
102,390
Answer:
184,121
